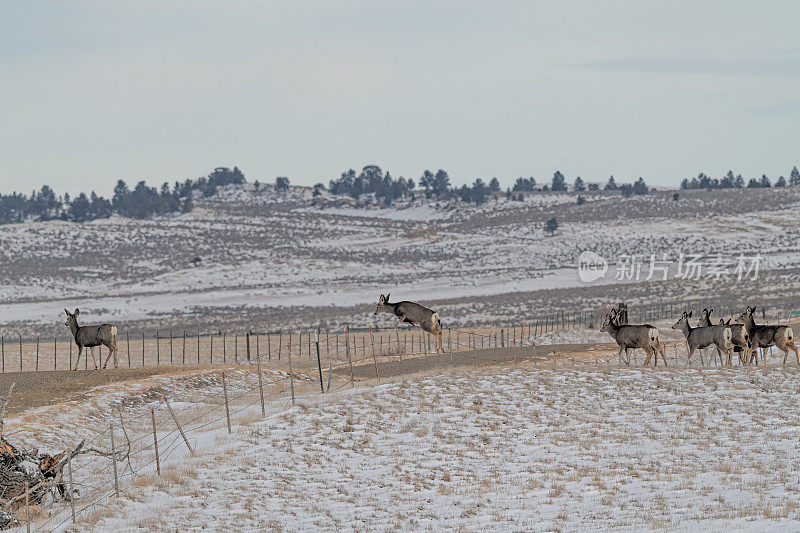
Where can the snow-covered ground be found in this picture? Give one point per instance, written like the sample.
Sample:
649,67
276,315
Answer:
263,250
527,448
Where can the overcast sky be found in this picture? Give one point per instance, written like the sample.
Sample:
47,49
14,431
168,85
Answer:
95,91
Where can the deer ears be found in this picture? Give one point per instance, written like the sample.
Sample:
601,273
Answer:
77,312
382,299
66,312
690,314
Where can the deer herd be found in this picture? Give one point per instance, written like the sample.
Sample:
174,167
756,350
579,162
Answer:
743,337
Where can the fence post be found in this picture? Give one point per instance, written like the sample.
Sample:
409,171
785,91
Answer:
71,487
211,339
183,349
55,354
114,461
258,348
127,339
291,374
37,353
70,358
142,349
227,409
397,336
155,440
261,386
280,343
269,347
502,339
175,419
198,347
170,347
236,347
347,350
27,509
3,349
20,353
319,363
158,348
247,343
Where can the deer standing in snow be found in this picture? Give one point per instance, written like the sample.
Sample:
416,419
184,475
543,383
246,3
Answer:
413,313
764,336
631,336
701,337
91,336
739,336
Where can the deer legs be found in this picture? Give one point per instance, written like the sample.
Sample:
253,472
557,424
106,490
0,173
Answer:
112,350
80,351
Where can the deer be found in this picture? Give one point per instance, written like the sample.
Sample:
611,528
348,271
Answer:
740,338
702,337
764,336
413,313
91,336
632,336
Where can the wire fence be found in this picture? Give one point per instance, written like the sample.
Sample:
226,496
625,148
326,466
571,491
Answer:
140,349
151,437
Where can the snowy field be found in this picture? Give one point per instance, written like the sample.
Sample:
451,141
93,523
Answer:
281,258
527,448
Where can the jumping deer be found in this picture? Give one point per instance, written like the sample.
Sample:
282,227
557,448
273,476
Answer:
413,313
91,336
701,337
739,336
764,336
631,336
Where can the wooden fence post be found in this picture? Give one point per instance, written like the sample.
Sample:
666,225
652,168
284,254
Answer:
183,349
158,348
55,354
261,386
347,350
3,349
247,344
27,509
71,485
142,349
37,353
291,373
155,440
319,363
198,347
114,461
170,347
175,419
127,339
20,353
227,408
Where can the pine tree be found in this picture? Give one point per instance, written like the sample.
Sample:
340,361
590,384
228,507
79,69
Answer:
579,185
559,182
781,182
611,185
794,177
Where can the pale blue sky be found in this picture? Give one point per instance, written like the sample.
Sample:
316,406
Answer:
94,91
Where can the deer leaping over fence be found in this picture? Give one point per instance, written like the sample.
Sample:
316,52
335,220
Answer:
413,313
